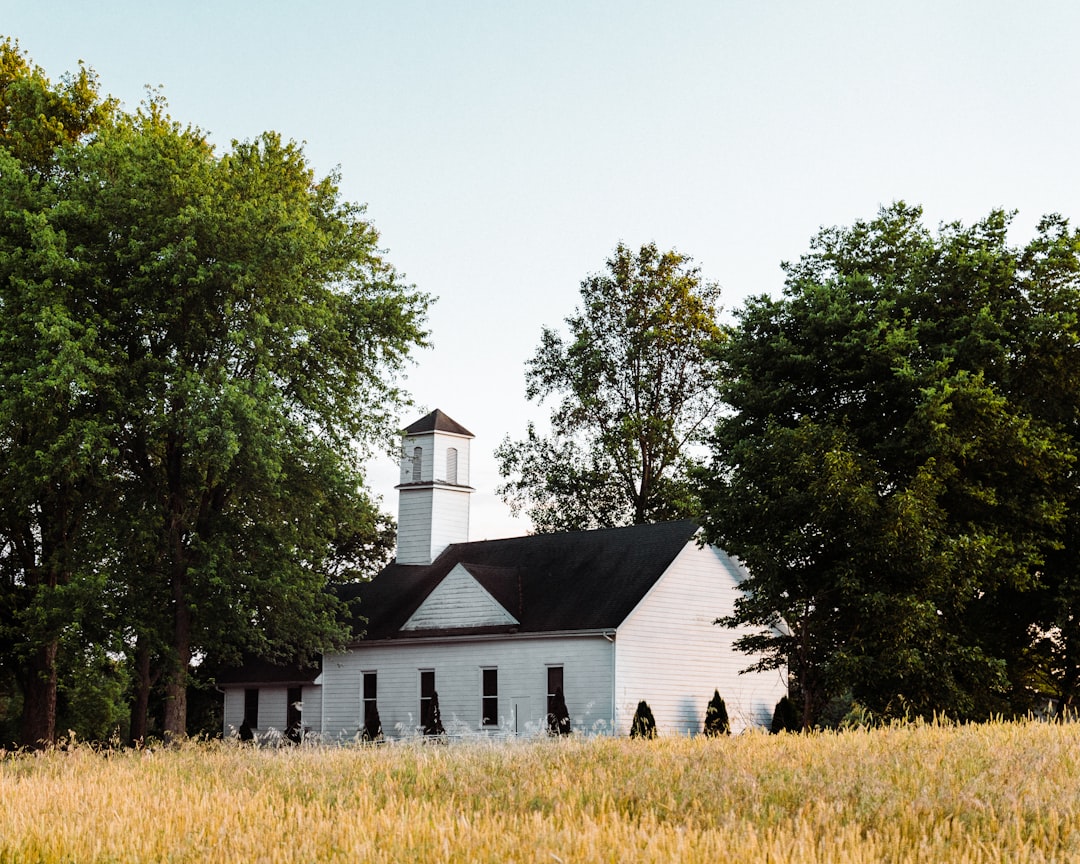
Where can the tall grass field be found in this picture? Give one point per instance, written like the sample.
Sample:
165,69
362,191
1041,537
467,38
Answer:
926,793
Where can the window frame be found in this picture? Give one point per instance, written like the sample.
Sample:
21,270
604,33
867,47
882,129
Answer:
561,684
427,673
368,700
489,697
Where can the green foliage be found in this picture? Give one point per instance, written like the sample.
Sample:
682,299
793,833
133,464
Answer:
634,380
38,117
643,725
197,352
894,470
93,691
54,435
716,717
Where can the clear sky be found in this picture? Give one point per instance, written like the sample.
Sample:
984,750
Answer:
503,148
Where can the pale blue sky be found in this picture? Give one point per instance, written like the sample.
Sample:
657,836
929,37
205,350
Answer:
504,148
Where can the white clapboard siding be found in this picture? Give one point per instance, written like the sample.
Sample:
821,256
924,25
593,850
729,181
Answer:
672,655
522,662
414,526
430,518
459,601
312,711
449,518
272,708
234,710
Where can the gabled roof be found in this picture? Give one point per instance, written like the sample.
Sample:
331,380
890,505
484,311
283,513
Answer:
436,421
581,580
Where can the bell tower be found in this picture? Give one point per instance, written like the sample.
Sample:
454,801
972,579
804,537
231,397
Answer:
434,490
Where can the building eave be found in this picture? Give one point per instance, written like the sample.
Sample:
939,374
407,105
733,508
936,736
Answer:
450,636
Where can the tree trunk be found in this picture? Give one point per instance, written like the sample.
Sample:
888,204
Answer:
140,708
39,699
177,681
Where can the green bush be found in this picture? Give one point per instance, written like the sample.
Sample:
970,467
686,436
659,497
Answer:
716,719
559,717
643,725
785,718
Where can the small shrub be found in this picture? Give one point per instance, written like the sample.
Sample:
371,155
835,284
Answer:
716,719
643,725
372,726
785,718
559,717
433,722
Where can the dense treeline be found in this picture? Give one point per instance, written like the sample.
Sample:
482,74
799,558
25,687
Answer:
196,351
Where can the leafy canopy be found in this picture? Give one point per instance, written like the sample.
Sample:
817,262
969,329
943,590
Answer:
896,461
632,386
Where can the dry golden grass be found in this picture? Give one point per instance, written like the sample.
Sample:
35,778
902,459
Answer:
1000,792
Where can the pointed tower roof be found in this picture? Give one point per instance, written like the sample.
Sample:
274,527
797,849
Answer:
436,421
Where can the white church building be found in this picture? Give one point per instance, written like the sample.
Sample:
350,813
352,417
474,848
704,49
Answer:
493,630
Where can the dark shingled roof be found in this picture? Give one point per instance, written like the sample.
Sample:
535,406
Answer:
581,580
436,421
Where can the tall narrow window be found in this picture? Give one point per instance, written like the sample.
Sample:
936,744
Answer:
372,726
451,465
554,686
427,695
417,462
251,707
489,697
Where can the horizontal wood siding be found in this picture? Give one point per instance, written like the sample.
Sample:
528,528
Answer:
272,708
233,710
522,663
458,601
414,526
450,519
671,654
427,458
312,714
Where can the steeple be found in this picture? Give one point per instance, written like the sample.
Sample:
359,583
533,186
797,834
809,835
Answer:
433,493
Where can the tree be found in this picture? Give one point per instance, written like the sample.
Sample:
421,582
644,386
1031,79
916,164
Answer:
261,331
643,725
716,717
198,350
53,434
635,384
893,469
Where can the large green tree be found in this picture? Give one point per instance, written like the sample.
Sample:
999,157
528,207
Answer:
54,434
198,351
261,330
633,385
897,466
